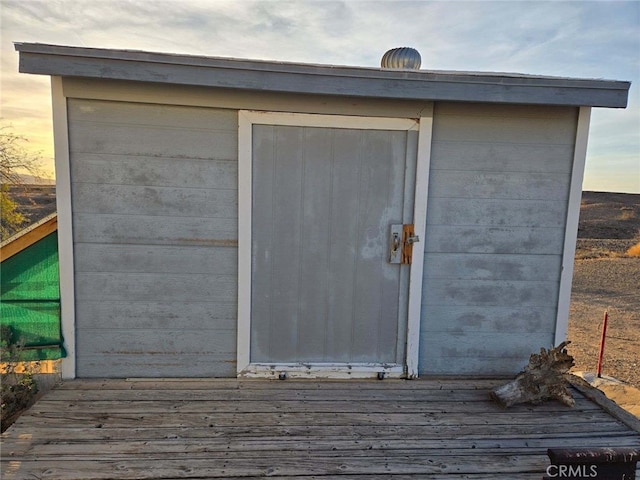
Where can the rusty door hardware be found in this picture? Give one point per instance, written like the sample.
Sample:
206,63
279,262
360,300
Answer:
402,238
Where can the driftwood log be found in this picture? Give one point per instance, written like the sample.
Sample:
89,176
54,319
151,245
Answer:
544,378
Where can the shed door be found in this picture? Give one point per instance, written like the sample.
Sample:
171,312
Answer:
323,292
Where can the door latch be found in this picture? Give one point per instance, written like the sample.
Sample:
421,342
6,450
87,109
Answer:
401,243
396,240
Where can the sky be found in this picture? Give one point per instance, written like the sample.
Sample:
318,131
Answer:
582,39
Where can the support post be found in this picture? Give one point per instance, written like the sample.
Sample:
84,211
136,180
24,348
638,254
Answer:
602,340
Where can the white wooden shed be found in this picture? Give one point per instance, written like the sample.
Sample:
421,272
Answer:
223,217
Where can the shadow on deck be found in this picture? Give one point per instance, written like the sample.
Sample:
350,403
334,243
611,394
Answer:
437,429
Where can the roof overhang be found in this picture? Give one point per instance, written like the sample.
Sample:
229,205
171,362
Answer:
297,78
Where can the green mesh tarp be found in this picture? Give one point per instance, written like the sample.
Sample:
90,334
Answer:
30,301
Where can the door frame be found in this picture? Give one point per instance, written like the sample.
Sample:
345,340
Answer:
246,120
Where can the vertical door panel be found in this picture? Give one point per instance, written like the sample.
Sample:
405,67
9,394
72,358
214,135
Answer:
344,237
277,191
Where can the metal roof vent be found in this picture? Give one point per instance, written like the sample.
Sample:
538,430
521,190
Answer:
402,58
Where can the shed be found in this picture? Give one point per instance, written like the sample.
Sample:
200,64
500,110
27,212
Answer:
30,291
223,217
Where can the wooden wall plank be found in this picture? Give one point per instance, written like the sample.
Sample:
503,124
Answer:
164,201
150,287
118,258
499,185
495,212
494,239
144,170
155,93
156,230
460,320
147,113
136,341
474,266
501,157
156,314
487,345
443,292
470,364
548,113
502,127
151,141
157,365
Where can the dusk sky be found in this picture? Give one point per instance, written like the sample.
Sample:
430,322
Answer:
583,39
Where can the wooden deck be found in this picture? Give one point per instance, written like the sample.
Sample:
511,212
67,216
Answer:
437,429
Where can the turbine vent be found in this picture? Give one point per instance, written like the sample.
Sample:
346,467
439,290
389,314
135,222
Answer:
403,58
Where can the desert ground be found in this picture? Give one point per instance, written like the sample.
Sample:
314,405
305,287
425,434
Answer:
606,278
34,202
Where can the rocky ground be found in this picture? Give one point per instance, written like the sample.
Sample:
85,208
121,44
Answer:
606,278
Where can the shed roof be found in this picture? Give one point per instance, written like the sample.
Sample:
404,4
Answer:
269,76
28,236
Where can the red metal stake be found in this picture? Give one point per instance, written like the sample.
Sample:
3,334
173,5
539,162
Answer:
602,339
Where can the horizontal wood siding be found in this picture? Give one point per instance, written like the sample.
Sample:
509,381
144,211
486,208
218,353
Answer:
498,193
154,192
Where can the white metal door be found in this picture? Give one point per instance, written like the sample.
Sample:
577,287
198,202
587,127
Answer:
325,300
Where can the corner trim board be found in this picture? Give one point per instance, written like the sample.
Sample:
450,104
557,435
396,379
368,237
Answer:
65,226
423,168
571,228
245,183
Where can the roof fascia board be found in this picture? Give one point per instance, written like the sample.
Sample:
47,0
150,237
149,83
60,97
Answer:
319,79
28,236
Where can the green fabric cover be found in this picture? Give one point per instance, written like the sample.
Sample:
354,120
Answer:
30,301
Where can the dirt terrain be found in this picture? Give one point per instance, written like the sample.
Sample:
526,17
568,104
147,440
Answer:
606,278
35,201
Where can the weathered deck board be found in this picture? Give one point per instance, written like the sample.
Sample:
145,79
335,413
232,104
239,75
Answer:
80,448
438,429
256,384
279,406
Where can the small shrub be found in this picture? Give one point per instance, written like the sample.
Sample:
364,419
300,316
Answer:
18,388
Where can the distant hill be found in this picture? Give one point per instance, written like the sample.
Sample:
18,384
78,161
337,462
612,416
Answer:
605,215
33,180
